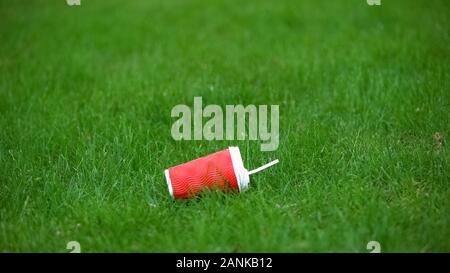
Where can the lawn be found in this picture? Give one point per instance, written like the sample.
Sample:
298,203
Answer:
86,94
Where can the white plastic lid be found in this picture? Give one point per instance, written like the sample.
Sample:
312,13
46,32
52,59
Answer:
242,175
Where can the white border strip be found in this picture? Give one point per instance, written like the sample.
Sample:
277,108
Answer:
169,182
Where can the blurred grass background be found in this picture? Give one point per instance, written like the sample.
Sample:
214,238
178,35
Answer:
85,100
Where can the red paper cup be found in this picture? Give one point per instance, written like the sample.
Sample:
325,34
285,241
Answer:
223,170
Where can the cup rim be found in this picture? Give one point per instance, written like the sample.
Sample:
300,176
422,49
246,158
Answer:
169,182
240,171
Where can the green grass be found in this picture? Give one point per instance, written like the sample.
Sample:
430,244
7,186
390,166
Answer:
85,100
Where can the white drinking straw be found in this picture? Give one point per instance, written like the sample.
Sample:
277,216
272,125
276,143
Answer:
263,167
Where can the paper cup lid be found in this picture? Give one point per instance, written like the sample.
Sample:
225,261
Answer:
169,182
242,176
